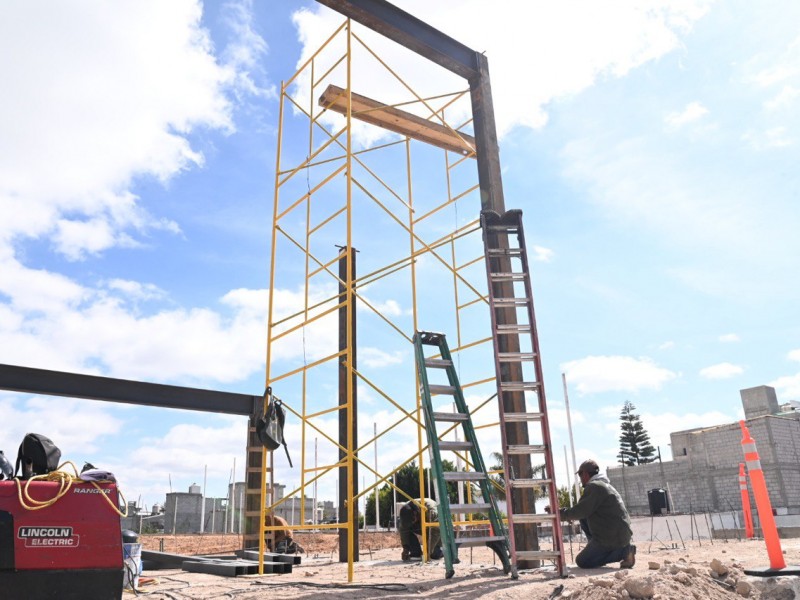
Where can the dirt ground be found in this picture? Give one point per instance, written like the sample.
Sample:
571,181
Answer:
675,570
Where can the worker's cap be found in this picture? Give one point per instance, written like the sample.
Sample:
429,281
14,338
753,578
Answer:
589,467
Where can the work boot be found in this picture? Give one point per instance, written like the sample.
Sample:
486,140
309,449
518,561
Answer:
630,558
406,555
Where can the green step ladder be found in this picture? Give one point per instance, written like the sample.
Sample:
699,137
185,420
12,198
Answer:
498,538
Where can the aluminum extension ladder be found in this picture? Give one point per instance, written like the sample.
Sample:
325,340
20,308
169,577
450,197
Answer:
498,539
520,391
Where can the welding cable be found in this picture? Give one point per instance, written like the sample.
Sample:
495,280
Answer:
62,477
65,481
384,587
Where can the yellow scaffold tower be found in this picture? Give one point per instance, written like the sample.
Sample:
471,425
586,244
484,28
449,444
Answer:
365,251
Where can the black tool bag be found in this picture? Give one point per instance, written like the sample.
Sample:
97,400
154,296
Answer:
269,427
37,455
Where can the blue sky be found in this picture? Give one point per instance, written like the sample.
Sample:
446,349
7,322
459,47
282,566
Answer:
653,153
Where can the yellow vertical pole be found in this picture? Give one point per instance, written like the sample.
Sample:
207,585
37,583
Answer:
304,395
264,469
416,326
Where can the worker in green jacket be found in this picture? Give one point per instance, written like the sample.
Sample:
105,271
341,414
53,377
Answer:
410,529
608,526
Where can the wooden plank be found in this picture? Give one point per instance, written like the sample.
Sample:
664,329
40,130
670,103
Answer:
400,121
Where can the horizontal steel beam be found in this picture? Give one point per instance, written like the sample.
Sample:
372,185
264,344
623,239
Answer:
92,387
411,32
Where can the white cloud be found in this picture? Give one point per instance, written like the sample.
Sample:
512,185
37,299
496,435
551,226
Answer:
729,338
180,456
542,254
693,111
794,355
608,41
595,374
774,137
75,426
52,322
787,387
244,54
668,345
660,425
558,417
723,370
376,358
137,290
389,308
785,99
82,124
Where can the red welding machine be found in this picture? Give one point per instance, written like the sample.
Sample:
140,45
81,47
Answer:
69,550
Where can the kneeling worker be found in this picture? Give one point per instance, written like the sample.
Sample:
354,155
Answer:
608,524
281,537
410,529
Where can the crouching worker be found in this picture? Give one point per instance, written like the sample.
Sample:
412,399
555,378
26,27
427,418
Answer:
410,529
606,520
280,540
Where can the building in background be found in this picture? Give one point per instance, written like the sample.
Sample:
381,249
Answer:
183,512
703,473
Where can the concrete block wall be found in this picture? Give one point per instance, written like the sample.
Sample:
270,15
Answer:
182,512
759,401
706,477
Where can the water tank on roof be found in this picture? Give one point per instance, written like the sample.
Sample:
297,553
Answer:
194,489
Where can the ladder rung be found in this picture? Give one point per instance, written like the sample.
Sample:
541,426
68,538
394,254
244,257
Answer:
508,276
529,483
528,518
506,251
514,328
506,357
455,445
448,416
522,417
537,555
519,386
470,508
510,302
463,476
438,363
441,389
527,449
478,541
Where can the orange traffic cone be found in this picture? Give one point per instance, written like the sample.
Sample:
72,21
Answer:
746,511
777,565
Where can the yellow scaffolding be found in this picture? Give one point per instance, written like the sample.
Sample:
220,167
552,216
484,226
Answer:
339,195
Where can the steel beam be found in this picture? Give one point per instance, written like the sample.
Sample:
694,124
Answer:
92,387
411,32
429,42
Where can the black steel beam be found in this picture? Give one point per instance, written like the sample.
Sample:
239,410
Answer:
92,387
409,31
429,42
487,148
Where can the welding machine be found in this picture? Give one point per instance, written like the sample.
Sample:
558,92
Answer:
68,550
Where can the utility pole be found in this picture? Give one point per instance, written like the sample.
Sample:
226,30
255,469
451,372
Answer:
203,502
576,482
314,515
377,504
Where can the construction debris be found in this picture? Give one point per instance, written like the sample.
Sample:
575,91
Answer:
681,580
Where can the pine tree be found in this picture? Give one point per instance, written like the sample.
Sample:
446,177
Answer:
634,442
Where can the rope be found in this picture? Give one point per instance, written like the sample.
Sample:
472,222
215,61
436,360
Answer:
65,481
